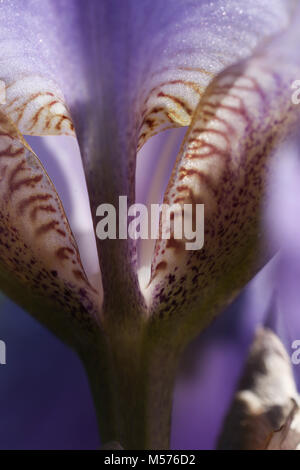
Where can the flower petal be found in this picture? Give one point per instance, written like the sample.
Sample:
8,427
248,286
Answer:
184,54
29,64
40,267
223,164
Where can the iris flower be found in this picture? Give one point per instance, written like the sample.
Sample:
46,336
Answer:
113,74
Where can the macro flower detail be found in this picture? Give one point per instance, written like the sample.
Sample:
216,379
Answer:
112,74
37,245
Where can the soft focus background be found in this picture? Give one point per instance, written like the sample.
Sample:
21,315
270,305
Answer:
45,398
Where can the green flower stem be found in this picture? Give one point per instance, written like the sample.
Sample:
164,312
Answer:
132,377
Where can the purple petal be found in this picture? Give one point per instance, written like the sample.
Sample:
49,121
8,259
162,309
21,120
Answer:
40,262
223,164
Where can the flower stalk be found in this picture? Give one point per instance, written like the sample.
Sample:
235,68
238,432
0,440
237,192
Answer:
132,378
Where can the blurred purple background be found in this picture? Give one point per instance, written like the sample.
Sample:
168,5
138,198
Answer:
46,403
